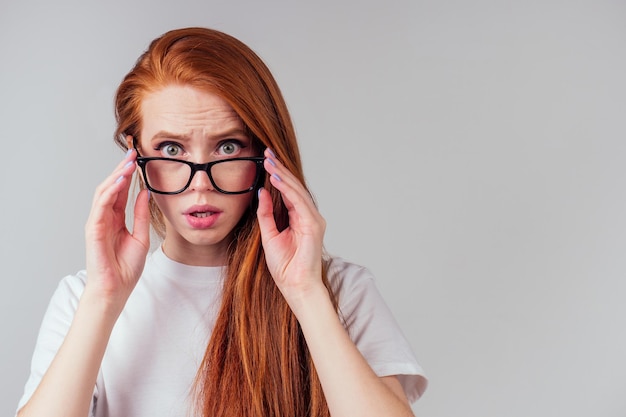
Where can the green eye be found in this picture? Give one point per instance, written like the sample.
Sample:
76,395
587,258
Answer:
171,150
229,148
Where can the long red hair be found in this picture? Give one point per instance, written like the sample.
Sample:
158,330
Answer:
257,362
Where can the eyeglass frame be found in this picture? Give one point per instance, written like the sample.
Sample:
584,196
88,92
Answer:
206,167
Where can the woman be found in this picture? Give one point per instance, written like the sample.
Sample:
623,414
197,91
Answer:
238,312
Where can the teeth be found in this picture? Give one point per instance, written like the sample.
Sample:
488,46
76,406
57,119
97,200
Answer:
202,215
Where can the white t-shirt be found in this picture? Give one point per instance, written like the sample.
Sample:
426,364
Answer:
160,338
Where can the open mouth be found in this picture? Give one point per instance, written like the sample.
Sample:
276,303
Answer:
202,214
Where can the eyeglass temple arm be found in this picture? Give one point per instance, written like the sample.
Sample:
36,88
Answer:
135,145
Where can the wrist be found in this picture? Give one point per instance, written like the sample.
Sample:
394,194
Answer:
104,306
307,301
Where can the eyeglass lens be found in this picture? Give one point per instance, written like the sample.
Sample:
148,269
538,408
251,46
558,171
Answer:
230,175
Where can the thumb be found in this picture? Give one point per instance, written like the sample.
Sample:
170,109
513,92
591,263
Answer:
141,221
265,216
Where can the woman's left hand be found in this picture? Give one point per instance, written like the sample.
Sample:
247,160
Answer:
293,255
294,258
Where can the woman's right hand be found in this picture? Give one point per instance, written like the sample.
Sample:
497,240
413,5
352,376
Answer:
115,260
115,256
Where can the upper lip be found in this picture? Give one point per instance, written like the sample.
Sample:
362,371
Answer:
201,208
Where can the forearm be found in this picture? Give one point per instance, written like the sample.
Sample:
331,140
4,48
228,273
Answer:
66,388
350,385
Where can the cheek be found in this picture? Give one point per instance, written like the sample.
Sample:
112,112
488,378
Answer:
241,203
164,203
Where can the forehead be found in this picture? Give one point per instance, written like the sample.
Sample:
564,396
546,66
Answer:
186,110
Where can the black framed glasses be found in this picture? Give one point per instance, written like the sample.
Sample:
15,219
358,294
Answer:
173,176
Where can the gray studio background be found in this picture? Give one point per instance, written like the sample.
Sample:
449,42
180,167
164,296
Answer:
472,154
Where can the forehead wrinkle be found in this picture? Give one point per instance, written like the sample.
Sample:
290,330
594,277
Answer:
186,112
211,123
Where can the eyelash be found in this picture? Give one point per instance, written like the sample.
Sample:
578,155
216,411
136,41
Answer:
237,142
162,145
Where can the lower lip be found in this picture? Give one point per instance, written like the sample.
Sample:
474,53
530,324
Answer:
202,222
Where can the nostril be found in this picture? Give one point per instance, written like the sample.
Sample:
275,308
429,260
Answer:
201,181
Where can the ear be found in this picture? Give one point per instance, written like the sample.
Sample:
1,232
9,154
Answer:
129,142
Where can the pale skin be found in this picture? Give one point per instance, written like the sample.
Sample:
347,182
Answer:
201,123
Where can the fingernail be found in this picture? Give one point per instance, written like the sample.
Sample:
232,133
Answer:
271,152
149,194
258,193
271,161
129,163
277,177
119,179
128,152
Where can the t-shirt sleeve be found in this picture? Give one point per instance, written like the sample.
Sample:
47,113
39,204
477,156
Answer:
373,328
54,328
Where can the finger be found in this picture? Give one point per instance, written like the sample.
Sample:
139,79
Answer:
294,194
141,221
122,197
113,196
265,216
123,169
112,193
278,171
299,204
304,219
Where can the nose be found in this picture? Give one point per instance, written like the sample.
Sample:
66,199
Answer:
201,181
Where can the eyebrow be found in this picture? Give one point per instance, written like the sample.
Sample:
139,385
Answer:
169,135
163,134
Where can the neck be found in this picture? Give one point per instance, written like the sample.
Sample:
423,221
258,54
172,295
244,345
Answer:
196,255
